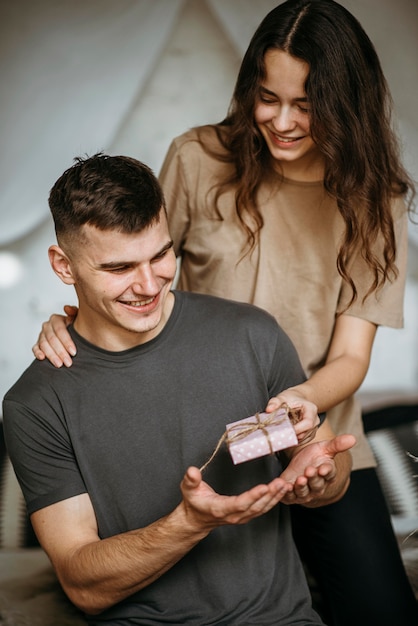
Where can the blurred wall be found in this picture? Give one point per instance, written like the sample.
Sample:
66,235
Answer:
126,76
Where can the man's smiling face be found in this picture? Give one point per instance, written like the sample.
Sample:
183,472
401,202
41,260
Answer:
123,283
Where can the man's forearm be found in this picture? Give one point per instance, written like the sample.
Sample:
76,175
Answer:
99,574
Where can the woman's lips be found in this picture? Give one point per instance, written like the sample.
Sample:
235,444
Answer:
284,141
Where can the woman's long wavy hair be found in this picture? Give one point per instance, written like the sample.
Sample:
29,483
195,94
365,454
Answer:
350,120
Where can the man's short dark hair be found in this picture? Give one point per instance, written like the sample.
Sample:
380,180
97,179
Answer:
108,192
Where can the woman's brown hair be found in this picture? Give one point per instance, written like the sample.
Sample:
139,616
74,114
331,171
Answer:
351,111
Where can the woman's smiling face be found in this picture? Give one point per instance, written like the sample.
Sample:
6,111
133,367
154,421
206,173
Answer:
282,116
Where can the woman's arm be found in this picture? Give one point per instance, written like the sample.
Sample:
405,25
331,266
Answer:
345,368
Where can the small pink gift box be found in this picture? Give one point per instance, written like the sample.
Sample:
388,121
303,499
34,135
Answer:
259,435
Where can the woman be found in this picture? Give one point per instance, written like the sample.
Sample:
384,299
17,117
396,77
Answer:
296,203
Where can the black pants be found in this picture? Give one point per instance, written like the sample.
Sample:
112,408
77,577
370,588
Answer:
351,550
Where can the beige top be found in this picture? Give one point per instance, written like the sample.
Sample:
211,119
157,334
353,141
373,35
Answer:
292,272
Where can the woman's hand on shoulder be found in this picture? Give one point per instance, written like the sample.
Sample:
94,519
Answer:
54,342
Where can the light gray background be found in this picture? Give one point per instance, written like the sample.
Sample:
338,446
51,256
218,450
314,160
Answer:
126,76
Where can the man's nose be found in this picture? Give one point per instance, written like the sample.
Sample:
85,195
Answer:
145,280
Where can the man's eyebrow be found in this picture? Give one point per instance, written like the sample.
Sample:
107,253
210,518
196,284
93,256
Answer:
115,264
167,246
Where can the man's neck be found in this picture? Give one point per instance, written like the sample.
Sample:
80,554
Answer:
116,338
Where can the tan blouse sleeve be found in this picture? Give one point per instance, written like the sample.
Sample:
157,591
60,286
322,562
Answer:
172,180
384,307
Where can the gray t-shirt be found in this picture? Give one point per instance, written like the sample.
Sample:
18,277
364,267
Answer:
125,426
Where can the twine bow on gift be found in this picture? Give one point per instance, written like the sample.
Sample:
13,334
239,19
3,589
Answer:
243,429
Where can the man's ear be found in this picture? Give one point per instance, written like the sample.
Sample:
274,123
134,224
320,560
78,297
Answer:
61,264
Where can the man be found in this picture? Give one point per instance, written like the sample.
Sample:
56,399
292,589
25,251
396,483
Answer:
107,451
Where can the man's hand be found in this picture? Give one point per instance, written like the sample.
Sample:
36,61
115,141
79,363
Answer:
315,474
206,509
54,341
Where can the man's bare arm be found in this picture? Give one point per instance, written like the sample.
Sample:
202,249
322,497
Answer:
97,574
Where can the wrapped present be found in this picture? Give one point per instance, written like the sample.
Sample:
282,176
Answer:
259,435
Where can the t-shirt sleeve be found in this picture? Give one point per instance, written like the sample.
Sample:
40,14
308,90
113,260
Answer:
278,354
173,182
385,306
41,455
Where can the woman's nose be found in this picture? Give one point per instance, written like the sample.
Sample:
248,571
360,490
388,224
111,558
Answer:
283,119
